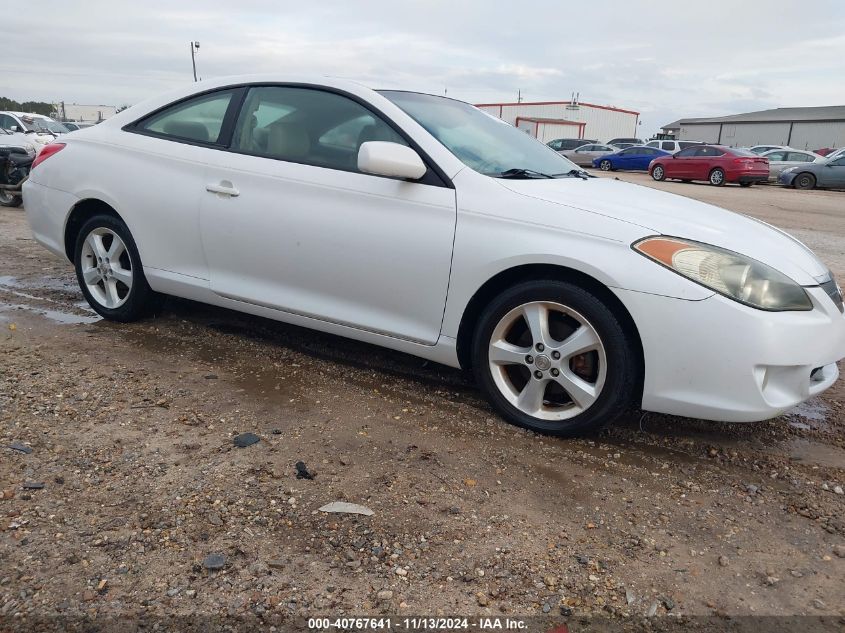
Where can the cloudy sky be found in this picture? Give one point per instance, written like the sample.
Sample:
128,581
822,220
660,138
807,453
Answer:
664,59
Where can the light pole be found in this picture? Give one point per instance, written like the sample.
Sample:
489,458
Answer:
195,47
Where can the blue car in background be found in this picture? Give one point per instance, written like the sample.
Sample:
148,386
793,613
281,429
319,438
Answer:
635,158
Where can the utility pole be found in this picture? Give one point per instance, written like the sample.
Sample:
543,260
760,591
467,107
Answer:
195,47
519,96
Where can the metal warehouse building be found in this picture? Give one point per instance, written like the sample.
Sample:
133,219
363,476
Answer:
549,120
802,128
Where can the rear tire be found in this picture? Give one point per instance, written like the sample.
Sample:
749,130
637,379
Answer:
658,173
553,358
804,181
717,177
9,199
110,273
606,165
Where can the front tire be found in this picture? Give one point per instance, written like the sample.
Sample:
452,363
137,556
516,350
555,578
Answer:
9,199
717,177
109,271
606,165
554,358
804,181
658,173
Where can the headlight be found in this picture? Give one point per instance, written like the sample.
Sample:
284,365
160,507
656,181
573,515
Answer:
730,274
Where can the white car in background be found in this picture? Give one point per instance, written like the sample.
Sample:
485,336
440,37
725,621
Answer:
760,149
672,146
41,129
585,154
782,159
419,223
17,140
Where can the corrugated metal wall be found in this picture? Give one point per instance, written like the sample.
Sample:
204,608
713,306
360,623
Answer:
816,135
809,135
707,132
601,124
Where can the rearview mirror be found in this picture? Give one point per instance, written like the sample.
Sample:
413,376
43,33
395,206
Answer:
382,158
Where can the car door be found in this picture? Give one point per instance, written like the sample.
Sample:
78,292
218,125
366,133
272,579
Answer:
679,165
793,159
831,174
288,221
623,159
641,158
583,155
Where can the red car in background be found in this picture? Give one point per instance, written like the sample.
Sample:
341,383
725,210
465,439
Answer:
716,164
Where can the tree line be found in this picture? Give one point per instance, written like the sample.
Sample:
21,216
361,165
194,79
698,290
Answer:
36,107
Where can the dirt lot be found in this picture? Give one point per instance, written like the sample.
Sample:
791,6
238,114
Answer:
131,433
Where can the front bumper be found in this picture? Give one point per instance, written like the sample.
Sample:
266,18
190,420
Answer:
786,178
717,359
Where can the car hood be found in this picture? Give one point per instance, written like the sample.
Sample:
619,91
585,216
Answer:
658,212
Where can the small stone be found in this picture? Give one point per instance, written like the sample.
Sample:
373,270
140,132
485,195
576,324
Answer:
245,439
796,574
33,485
820,605
214,561
172,593
550,581
839,550
652,609
20,448
276,563
401,571
191,593
838,490
565,610
724,561
752,489
668,603
630,596
210,376
771,581
89,595
385,594
482,599
546,607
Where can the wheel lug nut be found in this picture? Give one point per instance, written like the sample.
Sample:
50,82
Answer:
556,355
540,347
529,359
538,374
555,372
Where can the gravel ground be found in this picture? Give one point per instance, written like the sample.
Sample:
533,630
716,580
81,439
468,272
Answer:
134,499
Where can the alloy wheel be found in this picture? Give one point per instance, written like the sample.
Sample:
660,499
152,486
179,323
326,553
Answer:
547,360
605,165
657,173
717,177
106,268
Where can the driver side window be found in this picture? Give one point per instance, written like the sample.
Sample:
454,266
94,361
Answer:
686,153
308,126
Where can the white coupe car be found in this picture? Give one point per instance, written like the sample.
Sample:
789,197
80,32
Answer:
419,223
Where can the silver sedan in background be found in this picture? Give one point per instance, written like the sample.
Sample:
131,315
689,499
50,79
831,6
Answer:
784,158
583,156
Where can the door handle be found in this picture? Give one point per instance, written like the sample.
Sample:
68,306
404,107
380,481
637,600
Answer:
224,188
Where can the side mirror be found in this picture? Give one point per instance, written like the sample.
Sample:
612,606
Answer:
382,158
14,128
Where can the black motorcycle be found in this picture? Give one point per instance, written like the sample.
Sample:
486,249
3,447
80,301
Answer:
14,170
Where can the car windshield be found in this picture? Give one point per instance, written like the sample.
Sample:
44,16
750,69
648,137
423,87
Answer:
481,141
52,126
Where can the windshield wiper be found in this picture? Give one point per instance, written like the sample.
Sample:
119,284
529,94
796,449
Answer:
579,173
519,172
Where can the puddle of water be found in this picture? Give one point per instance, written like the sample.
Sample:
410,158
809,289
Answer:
813,453
65,318
813,409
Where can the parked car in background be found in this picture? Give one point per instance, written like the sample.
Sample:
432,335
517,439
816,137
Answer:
780,159
759,149
70,125
636,158
632,141
672,146
824,151
565,295
829,172
29,124
716,164
17,142
585,154
619,146
836,154
564,144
